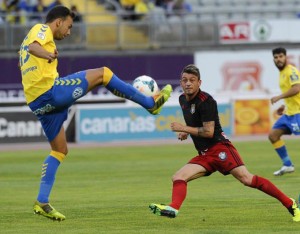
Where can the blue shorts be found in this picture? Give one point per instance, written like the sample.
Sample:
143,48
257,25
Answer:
291,124
51,108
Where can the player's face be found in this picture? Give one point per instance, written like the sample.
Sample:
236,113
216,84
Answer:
279,60
63,28
190,84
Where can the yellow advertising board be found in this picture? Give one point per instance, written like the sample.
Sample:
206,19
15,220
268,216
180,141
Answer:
252,117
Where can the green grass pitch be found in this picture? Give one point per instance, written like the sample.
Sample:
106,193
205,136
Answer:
108,190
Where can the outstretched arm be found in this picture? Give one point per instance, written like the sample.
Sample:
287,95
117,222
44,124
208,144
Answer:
206,131
295,89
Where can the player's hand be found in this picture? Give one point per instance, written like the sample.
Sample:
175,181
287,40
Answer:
52,56
177,127
182,136
275,99
280,110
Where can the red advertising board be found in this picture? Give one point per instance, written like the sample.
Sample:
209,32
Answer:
237,31
241,76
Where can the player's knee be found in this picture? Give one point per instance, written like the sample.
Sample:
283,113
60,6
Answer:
99,73
270,137
66,151
244,177
95,77
273,137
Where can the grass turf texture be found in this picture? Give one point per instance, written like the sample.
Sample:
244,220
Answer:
108,190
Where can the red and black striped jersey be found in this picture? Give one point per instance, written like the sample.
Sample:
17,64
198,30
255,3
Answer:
202,108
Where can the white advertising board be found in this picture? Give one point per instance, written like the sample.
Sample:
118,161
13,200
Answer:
241,72
259,31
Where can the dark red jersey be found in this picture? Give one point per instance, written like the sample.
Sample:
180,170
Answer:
202,108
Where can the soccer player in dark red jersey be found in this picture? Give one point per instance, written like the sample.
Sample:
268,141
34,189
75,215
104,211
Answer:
216,152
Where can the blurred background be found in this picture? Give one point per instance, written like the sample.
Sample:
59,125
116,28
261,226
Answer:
231,41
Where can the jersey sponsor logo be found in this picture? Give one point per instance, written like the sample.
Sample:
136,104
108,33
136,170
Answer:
77,93
223,156
45,109
29,70
193,108
41,35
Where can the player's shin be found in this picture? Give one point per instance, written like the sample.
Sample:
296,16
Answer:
280,148
269,188
49,169
125,90
178,193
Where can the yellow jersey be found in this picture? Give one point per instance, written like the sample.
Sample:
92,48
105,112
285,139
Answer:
288,77
38,75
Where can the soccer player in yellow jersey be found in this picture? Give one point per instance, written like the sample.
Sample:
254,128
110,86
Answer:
289,122
49,96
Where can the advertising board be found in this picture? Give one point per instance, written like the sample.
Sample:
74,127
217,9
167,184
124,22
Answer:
250,72
18,125
133,123
259,31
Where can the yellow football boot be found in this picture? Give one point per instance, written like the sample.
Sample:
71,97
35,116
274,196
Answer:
48,211
160,99
162,210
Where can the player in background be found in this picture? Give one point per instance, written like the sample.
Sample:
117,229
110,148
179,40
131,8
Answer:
49,96
289,122
215,151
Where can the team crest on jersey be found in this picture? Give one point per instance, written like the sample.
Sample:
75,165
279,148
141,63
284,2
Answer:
294,77
222,156
193,108
77,93
41,35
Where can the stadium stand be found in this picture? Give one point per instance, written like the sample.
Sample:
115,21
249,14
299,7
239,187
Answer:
245,9
105,35
105,28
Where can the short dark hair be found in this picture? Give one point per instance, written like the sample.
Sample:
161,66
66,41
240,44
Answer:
191,69
279,50
59,12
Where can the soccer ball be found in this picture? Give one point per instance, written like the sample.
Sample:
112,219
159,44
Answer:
146,85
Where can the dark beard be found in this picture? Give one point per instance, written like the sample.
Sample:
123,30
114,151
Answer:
280,67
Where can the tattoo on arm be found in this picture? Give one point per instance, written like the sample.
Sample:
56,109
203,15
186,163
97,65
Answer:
207,130
200,131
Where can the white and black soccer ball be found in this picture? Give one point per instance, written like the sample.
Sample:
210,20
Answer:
146,85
